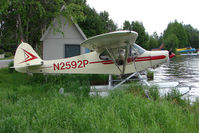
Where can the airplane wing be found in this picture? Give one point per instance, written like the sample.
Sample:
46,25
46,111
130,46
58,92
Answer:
110,40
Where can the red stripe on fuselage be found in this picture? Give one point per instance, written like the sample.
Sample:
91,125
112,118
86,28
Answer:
159,57
138,59
108,61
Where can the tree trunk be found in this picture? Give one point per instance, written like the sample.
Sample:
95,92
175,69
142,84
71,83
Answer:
20,27
27,33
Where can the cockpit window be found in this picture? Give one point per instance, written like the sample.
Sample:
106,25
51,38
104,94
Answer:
119,53
105,56
138,49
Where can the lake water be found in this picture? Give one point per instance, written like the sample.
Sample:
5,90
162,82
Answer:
182,70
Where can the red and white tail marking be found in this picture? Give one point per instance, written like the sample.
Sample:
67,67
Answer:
28,56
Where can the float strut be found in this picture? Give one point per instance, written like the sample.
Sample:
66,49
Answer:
123,81
143,80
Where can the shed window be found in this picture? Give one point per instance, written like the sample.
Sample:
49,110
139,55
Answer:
72,50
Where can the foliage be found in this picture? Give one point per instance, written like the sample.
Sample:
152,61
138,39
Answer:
127,25
92,24
98,79
136,89
95,24
175,36
139,28
28,19
1,51
152,43
150,75
142,91
10,65
154,93
175,97
193,36
8,47
8,54
143,36
108,23
172,42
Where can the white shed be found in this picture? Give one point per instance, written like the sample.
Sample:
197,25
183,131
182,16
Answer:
64,43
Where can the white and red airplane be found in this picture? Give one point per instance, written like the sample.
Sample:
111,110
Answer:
113,53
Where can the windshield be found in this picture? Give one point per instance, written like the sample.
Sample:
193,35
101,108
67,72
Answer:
138,49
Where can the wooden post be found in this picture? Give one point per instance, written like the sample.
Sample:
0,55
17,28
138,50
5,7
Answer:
109,81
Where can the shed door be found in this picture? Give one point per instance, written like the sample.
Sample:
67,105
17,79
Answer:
72,50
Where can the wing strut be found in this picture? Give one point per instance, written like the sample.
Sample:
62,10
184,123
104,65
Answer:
111,55
125,60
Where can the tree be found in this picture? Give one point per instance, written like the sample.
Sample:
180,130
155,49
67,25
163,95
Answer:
142,35
172,42
127,25
152,43
108,23
155,36
28,19
92,25
193,36
95,23
177,33
139,28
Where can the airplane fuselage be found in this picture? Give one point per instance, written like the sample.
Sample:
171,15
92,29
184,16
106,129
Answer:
91,63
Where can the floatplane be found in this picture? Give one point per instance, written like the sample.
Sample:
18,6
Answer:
113,53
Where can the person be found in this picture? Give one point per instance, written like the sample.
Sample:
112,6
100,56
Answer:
121,57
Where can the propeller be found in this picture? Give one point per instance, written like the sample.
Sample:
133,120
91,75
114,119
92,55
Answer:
171,54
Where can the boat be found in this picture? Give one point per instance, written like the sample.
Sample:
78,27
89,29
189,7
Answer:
184,50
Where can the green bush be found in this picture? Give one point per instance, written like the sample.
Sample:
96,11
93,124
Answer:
176,97
8,54
150,75
11,64
1,51
98,79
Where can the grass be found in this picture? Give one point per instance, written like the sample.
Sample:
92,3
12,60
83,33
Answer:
33,104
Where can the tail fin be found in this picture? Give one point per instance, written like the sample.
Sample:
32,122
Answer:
25,56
